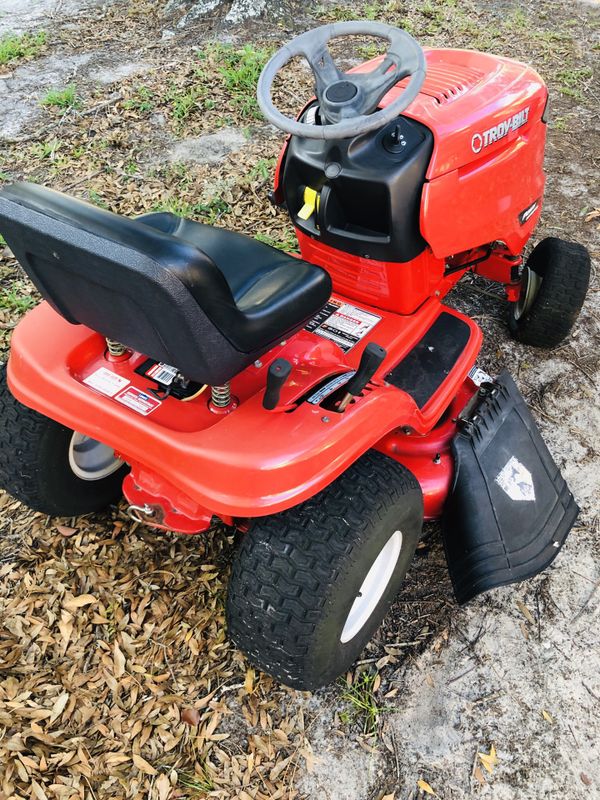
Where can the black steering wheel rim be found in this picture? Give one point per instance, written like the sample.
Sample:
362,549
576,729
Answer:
347,100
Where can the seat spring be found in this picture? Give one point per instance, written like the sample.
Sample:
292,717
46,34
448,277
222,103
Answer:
221,395
115,348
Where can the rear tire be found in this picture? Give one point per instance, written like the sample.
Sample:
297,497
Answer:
310,586
36,458
554,284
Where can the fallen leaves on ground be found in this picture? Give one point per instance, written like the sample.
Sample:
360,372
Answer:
115,673
489,760
425,787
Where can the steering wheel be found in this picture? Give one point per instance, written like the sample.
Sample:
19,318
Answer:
346,100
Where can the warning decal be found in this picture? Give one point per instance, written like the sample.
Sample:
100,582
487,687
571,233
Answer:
516,480
106,382
138,401
343,324
479,376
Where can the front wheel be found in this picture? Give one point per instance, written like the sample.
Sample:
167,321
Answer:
310,586
51,468
553,287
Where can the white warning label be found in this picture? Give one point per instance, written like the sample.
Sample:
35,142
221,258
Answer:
138,400
516,480
343,324
106,382
479,376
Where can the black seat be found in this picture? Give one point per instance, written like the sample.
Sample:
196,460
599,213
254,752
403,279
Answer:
206,300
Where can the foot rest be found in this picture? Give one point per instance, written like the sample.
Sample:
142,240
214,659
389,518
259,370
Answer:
509,510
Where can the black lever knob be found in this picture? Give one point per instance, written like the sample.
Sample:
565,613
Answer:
277,375
370,361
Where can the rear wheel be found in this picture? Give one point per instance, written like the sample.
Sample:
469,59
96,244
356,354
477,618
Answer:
310,586
553,287
51,468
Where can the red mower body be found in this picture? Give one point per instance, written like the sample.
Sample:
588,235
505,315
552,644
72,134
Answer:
486,117
477,206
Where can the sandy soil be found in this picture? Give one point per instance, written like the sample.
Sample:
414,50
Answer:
517,670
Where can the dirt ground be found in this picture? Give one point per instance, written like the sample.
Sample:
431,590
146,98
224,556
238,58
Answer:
116,676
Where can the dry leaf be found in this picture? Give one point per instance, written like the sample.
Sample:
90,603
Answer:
388,797
249,682
163,787
73,603
585,779
526,612
489,760
119,661
547,716
191,716
143,765
59,706
66,531
479,776
425,787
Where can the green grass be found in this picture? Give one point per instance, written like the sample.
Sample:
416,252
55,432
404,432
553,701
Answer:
142,100
14,47
199,784
288,245
42,150
96,199
573,81
240,70
209,212
363,705
262,169
64,99
184,102
11,300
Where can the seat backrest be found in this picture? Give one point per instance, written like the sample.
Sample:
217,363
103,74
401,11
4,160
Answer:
126,280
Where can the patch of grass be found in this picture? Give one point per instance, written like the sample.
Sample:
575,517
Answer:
262,169
14,47
200,783
11,300
573,81
64,99
240,70
210,212
97,199
48,149
363,705
288,245
142,100
184,102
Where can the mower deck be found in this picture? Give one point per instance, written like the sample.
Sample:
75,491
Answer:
290,453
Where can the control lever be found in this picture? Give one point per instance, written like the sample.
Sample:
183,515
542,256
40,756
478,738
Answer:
277,375
370,361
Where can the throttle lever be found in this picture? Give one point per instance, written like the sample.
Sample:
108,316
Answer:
370,361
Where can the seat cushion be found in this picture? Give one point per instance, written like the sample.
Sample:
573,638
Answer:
270,288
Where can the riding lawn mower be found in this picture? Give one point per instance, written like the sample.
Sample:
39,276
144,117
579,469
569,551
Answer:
325,404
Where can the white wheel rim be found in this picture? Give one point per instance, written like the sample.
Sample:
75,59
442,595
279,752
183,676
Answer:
91,460
373,587
531,286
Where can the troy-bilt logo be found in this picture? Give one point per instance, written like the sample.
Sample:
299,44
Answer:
500,130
